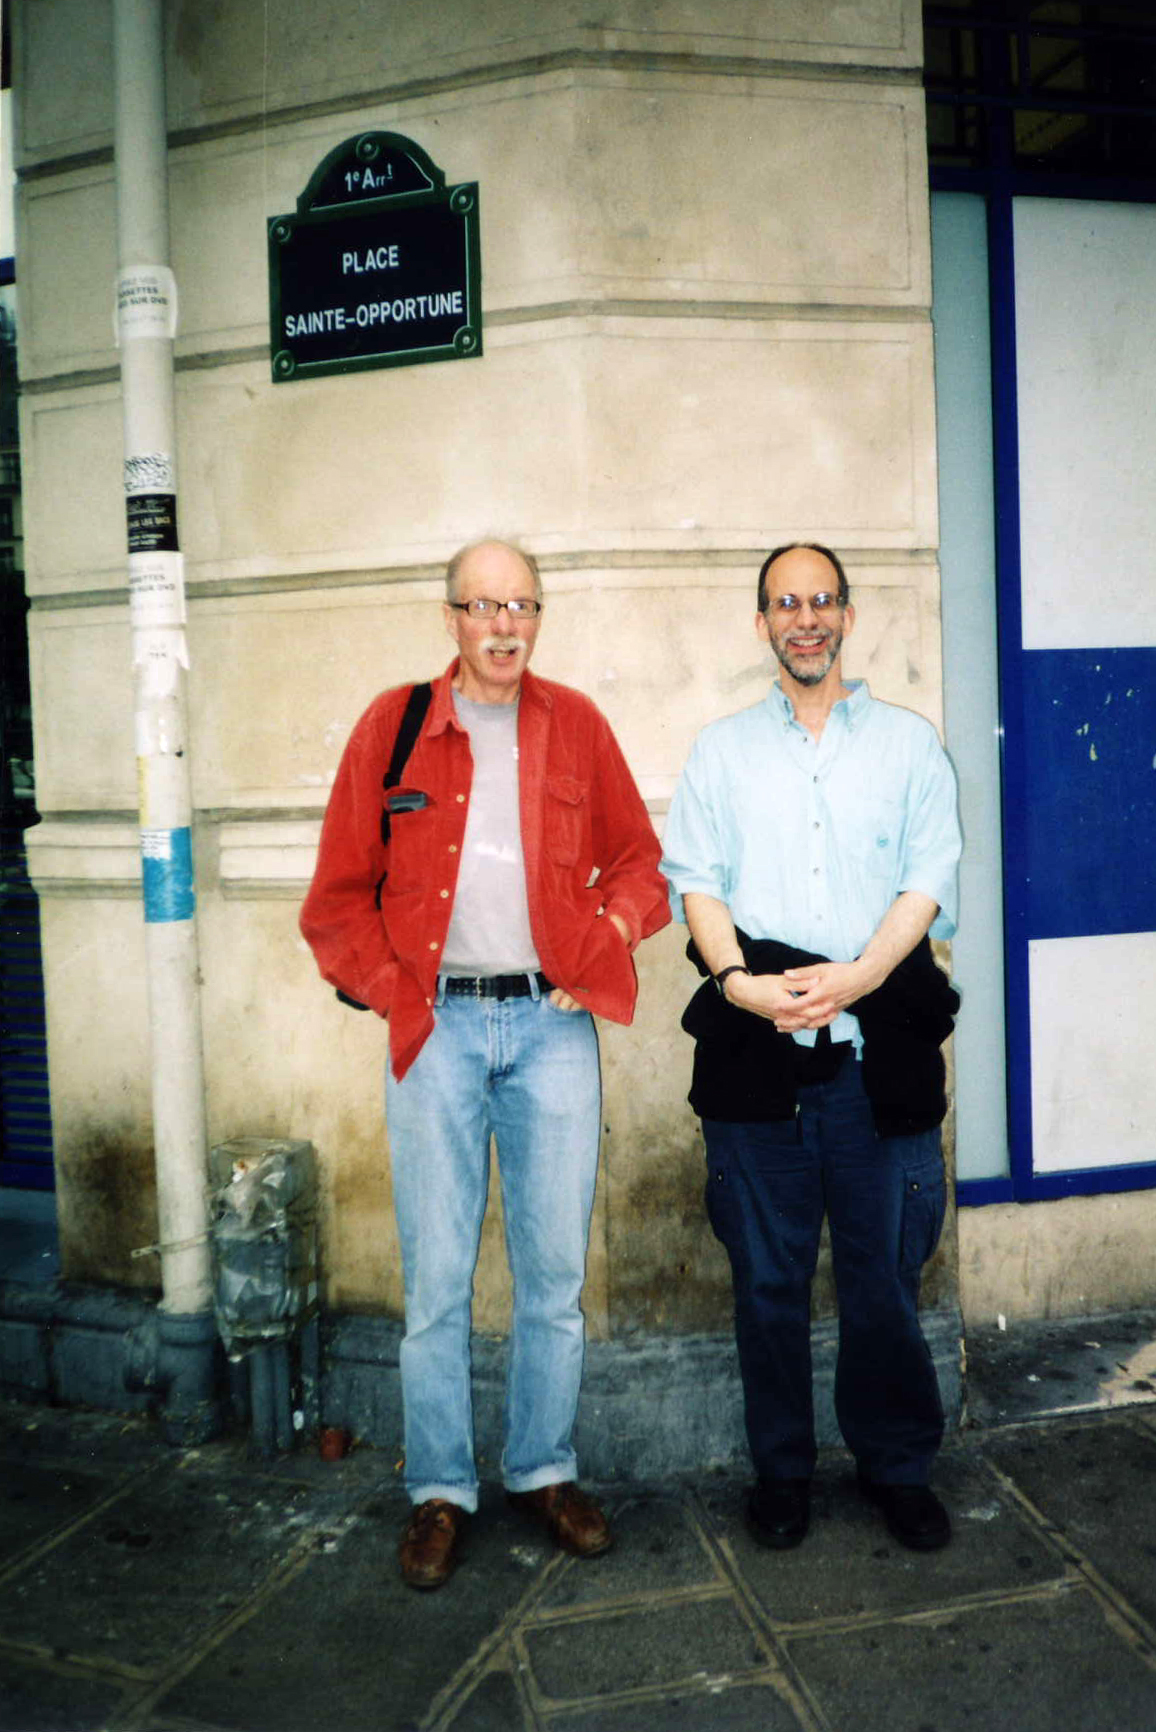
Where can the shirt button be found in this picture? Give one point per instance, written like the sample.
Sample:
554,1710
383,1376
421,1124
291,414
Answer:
433,944
453,847
460,798
816,825
815,870
443,894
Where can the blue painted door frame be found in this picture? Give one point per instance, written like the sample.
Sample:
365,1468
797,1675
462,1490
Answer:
1077,829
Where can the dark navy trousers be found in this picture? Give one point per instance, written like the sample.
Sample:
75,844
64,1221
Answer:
768,1187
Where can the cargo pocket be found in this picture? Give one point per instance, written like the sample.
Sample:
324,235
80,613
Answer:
720,1201
924,1206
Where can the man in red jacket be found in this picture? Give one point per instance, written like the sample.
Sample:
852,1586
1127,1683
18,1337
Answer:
519,874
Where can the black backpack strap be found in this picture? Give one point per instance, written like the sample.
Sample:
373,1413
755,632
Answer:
405,740
408,730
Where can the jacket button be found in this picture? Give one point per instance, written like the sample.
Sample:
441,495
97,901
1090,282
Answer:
433,944
453,847
443,894
460,798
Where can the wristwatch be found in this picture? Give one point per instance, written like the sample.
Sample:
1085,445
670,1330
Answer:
734,968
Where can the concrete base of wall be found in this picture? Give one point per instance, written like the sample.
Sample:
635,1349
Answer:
650,1407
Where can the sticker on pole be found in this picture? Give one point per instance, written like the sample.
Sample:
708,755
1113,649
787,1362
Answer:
158,655
167,874
150,472
152,522
146,303
156,589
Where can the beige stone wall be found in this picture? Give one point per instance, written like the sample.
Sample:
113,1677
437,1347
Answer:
706,287
1073,1257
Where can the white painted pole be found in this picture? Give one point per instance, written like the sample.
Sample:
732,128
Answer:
146,317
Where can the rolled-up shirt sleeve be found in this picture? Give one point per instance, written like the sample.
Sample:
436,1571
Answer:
932,841
694,855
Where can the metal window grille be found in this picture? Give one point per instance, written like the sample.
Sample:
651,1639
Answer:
1049,87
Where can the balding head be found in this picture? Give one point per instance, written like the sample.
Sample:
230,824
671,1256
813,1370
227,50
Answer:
481,553
832,559
494,647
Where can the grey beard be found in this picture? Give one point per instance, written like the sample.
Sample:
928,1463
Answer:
808,676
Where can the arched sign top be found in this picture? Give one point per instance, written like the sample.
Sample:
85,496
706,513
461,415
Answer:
372,166
379,266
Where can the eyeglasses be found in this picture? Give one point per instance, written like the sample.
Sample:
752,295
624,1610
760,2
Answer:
481,607
827,601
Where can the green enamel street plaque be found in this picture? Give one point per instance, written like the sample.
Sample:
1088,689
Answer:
380,266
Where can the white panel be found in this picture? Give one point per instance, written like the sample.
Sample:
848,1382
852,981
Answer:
1085,283
970,666
1093,1034
7,181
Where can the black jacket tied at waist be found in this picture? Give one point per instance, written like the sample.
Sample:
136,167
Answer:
745,1071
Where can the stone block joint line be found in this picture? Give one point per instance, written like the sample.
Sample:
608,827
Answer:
508,1650
1125,1618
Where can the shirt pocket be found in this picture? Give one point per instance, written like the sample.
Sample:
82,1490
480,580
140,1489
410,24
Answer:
412,829
874,831
566,817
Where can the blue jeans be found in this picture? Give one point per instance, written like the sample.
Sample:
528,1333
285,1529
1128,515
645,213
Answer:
528,1074
768,1186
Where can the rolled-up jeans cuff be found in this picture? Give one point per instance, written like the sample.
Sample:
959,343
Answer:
558,1473
466,1497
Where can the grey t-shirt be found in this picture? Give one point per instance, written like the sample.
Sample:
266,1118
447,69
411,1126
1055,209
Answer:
490,925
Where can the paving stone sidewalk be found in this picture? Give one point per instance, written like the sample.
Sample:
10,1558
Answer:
202,1591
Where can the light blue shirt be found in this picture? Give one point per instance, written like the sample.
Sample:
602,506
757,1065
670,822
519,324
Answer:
810,841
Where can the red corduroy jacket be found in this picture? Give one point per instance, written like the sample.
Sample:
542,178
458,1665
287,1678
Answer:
582,819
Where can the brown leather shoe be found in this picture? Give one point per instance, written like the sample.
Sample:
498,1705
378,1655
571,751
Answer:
429,1546
576,1523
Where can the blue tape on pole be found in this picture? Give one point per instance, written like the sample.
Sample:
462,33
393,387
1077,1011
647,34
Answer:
167,872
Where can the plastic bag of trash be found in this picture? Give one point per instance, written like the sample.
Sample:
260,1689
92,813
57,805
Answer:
264,1237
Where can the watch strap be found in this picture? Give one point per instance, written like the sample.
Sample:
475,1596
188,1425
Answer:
733,968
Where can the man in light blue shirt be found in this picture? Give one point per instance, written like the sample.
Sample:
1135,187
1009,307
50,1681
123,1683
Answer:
812,847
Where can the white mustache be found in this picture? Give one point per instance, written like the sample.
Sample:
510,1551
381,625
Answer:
497,642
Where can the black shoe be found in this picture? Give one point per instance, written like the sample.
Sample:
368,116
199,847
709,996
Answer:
913,1513
779,1512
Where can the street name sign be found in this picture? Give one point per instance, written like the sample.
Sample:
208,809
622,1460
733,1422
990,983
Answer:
380,265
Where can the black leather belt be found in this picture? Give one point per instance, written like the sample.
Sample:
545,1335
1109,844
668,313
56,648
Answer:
497,986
